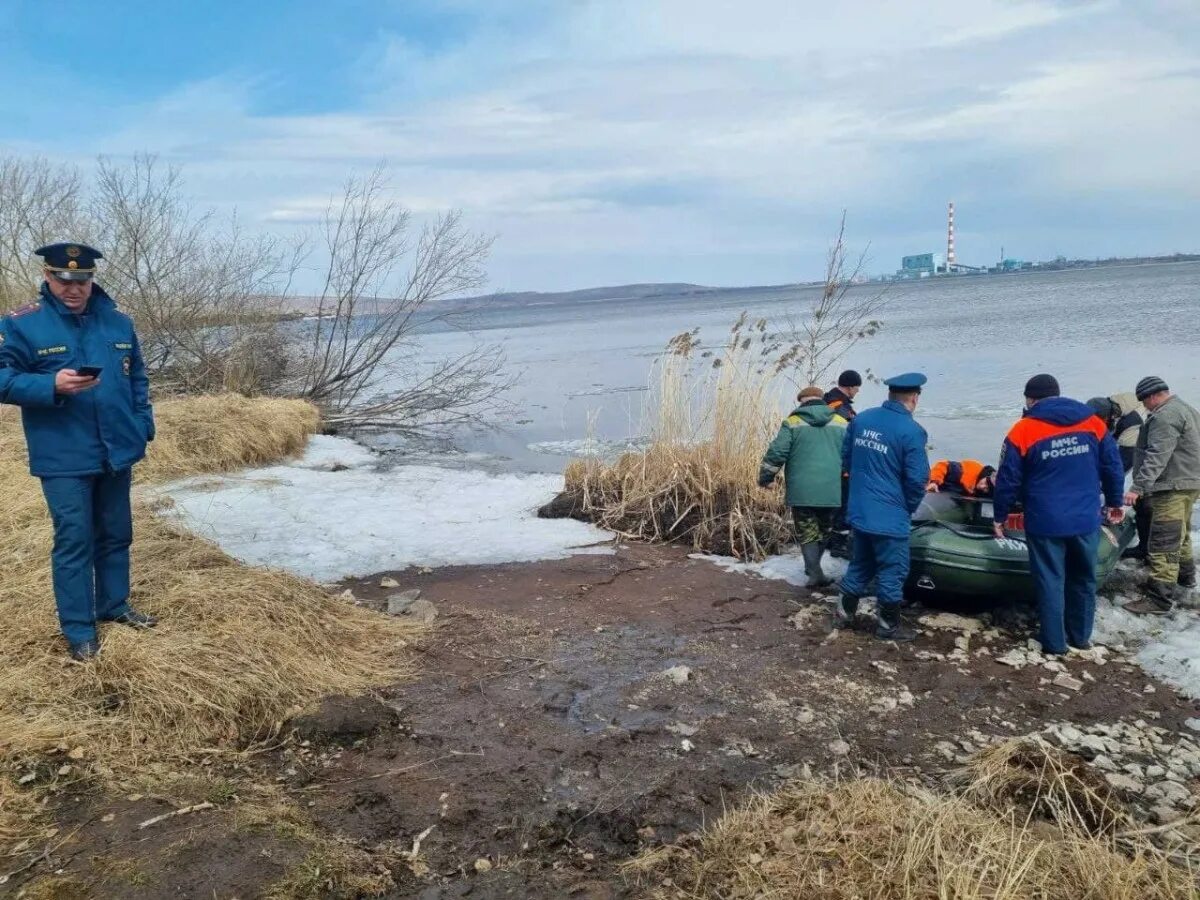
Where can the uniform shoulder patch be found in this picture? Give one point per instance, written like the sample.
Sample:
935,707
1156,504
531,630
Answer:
791,421
24,310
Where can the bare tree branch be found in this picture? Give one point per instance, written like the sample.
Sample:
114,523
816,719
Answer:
380,288
835,320
203,293
209,298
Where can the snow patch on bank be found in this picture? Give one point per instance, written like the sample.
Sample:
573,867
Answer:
334,453
1167,647
787,566
306,517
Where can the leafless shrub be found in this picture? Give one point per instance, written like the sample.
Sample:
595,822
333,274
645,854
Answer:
39,202
380,287
817,336
200,290
211,299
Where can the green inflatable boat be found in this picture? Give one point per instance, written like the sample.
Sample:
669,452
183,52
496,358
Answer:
955,553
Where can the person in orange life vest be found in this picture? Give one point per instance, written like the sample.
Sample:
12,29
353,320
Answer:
968,477
841,398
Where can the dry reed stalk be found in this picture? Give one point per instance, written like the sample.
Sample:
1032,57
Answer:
1045,782
238,651
887,841
695,482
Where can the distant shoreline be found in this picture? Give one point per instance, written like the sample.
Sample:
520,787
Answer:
300,307
1047,268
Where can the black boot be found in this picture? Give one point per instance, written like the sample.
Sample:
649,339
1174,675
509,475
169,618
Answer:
1157,599
837,545
85,651
845,611
135,619
812,553
891,626
1187,575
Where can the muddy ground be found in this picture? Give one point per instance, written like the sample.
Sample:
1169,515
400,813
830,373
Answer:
542,745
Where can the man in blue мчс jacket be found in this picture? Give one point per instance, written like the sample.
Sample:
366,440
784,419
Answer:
1056,461
884,454
72,362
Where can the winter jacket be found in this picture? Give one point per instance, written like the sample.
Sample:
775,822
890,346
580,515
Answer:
1131,415
809,450
1055,462
1168,450
841,403
884,452
104,429
957,476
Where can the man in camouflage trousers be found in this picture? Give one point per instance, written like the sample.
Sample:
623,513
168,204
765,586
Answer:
1167,474
808,449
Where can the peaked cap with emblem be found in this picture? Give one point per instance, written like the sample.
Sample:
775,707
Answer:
908,383
70,262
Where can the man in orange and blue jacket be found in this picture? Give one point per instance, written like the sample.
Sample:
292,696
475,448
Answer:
1056,461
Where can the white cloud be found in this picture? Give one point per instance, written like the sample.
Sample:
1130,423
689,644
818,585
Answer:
629,135
1113,124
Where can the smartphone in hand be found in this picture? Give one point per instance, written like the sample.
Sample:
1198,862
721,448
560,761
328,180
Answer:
89,371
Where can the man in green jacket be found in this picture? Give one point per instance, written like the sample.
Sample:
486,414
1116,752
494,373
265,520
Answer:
809,450
1167,474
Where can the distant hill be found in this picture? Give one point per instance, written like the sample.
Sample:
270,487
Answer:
603,294
614,293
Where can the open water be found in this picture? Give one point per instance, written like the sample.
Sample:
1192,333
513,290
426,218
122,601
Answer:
584,368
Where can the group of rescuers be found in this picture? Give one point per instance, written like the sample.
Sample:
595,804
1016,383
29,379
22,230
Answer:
71,361
1063,465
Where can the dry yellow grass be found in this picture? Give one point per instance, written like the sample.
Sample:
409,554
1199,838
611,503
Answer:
1034,776
238,650
696,481
223,432
875,839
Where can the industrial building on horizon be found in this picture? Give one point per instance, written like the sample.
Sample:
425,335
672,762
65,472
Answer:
927,265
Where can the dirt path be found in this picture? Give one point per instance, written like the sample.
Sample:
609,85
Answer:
543,745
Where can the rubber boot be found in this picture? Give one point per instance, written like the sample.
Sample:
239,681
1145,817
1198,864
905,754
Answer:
845,611
891,626
1187,575
1157,599
838,544
812,552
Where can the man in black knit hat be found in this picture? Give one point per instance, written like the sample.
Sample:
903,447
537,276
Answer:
841,398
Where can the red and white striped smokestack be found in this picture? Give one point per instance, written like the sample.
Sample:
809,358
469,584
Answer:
950,262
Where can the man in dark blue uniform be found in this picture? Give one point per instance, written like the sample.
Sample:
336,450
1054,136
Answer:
72,362
1057,461
884,454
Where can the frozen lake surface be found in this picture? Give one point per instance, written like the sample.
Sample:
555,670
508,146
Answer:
585,367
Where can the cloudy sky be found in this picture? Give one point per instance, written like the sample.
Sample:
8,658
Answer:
609,141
